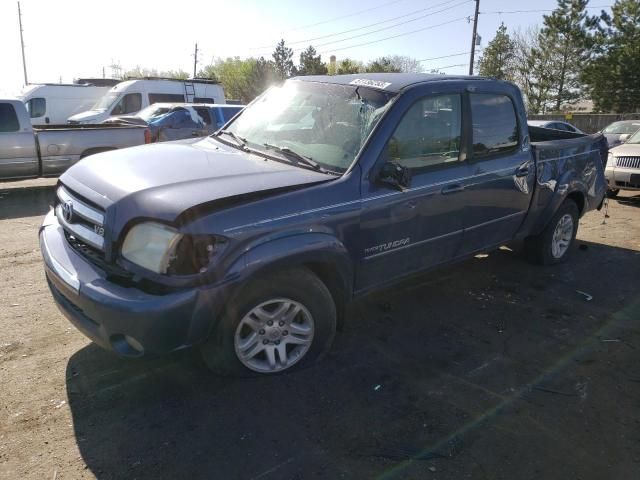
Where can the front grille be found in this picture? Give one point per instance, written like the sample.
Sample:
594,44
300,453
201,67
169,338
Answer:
80,219
628,162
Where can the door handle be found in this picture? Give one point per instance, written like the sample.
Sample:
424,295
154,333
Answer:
411,204
522,171
452,189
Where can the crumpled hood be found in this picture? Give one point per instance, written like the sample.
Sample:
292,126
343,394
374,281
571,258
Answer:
163,180
86,116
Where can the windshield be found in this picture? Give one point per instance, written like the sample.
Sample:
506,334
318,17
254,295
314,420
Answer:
152,112
622,128
106,101
327,123
635,138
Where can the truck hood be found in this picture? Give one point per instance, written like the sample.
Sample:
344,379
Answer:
627,149
161,181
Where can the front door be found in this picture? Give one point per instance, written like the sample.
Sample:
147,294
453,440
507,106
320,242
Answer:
18,156
407,231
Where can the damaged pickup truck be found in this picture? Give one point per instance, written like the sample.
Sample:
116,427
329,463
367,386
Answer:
250,243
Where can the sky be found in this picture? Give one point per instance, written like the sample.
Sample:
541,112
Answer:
67,39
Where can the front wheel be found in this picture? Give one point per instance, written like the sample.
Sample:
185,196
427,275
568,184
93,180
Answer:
553,244
277,322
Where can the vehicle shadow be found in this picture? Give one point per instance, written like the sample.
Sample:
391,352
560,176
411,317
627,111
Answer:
631,200
25,202
456,366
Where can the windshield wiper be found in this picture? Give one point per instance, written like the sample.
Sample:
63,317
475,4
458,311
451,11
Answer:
286,151
242,142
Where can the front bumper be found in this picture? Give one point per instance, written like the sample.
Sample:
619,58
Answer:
622,178
126,320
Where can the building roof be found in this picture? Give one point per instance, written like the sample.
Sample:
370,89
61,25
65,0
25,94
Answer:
390,82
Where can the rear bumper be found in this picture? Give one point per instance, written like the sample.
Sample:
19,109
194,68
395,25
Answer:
621,178
126,320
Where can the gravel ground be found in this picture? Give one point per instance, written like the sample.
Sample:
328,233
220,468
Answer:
491,369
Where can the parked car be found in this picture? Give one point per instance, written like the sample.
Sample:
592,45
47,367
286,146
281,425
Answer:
54,103
175,121
619,132
129,97
27,151
250,243
623,166
555,125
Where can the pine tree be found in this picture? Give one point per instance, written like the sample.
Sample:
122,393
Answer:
282,58
612,74
497,60
311,63
564,41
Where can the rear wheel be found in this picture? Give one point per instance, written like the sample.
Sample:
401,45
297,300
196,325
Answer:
275,323
553,244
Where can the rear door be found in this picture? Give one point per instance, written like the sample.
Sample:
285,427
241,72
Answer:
408,231
499,190
18,156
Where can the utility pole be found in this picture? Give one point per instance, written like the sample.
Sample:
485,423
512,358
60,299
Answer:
24,62
195,61
473,39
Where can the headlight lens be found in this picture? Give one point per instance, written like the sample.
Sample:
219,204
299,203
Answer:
611,160
151,245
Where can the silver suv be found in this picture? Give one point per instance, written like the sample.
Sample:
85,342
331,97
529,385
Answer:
623,166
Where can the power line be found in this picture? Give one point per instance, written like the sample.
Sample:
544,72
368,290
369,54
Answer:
501,12
443,56
451,66
368,25
345,16
391,26
395,36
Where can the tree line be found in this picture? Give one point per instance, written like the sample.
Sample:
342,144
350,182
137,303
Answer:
572,56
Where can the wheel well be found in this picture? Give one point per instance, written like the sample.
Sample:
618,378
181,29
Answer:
93,151
336,285
578,198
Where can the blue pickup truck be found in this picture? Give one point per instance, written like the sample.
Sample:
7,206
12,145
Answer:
250,243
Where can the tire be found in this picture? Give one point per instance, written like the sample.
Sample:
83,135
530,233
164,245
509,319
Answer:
539,249
613,193
249,311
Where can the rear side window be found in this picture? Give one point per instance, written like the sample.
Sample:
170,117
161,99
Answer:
495,125
429,133
36,107
203,100
165,98
8,118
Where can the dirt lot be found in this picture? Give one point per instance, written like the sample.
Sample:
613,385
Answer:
490,369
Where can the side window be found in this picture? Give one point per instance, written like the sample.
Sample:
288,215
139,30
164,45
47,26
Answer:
8,118
428,134
204,115
36,107
229,112
130,103
203,100
165,98
495,125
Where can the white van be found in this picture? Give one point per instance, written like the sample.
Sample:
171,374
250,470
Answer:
55,102
131,96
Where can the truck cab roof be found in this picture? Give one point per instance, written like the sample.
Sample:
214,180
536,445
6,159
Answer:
390,82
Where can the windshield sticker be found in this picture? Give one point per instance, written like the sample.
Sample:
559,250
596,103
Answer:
365,82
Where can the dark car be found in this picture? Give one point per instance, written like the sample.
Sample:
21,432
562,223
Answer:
618,132
249,244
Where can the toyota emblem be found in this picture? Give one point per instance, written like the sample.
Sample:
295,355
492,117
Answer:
67,210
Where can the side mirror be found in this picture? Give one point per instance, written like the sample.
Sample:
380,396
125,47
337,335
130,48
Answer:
395,175
624,137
